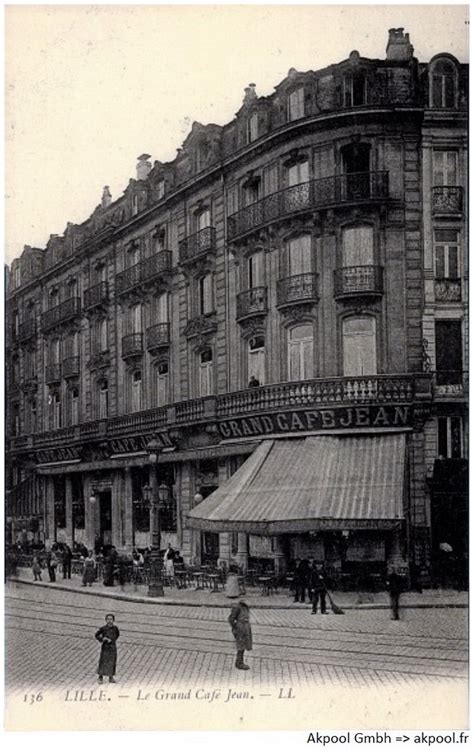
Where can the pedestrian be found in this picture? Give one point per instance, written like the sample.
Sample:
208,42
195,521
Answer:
88,574
52,564
301,580
109,566
253,382
239,620
36,568
232,586
395,587
168,561
318,588
67,560
108,636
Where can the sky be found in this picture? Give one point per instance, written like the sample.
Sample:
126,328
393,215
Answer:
89,88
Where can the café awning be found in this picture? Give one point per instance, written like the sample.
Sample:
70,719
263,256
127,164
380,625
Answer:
310,484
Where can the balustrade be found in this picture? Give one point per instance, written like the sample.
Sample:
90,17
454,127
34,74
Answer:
199,243
250,302
96,295
27,330
158,336
447,290
145,271
66,310
447,200
363,280
189,411
132,345
452,383
71,367
52,373
297,288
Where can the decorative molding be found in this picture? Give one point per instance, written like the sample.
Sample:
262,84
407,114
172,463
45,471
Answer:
254,325
298,313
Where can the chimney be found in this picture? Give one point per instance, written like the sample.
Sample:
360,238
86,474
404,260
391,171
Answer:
250,94
143,167
106,198
399,48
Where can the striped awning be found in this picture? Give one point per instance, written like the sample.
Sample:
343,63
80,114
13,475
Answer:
310,484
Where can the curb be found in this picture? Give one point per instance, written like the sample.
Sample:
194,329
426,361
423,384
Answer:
175,603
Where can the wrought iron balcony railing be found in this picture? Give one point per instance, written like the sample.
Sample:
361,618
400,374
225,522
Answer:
452,383
145,271
71,367
27,330
251,302
158,336
297,289
195,245
132,345
447,200
356,281
447,290
65,311
96,295
52,373
352,188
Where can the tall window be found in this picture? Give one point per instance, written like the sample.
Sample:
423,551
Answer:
55,413
160,189
450,439
256,360
16,419
299,255
355,90
251,192
136,377
136,318
32,413
17,276
446,254
205,297
359,346
162,309
445,168
30,363
133,254
206,373
252,127
53,297
103,398
443,84
162,383
135,204
298,173
74,405
300,353
203,219
54,351
255,270
358,246
448,347
296,104
72,288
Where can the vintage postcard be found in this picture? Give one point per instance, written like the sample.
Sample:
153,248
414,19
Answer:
236,368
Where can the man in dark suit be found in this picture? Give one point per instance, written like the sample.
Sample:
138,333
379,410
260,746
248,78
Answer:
67,560
395,587
318,587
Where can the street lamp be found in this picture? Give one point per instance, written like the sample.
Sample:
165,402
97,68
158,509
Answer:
155,585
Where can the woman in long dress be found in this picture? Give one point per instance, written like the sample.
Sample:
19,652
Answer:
88,575
108,636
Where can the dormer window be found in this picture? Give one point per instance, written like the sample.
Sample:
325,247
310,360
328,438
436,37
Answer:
355,89
135,204
17,276
252,127
160,189
443,84
296,104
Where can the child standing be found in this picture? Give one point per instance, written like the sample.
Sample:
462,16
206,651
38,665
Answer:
107,636
239,620
36,568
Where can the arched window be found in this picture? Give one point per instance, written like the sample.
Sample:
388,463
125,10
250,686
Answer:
443,83
206,373
256,361
162,383
359,346
296,104
299,255
136,402
103,402
358,246
252,127
300,353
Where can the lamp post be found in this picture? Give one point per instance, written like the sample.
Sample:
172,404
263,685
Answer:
155,585
92,521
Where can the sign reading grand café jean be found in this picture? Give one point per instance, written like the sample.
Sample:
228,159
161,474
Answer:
376,417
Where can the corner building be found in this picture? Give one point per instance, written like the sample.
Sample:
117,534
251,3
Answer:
275,309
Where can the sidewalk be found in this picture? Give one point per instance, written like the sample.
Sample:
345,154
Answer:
429,599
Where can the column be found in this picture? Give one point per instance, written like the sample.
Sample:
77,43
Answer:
185,503
89,514
50,512
68,503
128,508
117,512
242,556
279,555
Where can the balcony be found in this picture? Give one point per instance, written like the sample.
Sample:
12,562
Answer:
52,373
447,290
251,302
96,296
297,289
446,200
99,360
64,312
449,384
132,345
27,330
71,367
350,282
194,246
353,188
29,385
158,336
145,272
201,325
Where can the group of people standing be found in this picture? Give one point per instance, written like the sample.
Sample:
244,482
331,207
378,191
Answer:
52,559
309,577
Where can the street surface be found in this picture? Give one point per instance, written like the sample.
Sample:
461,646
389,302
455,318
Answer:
50,643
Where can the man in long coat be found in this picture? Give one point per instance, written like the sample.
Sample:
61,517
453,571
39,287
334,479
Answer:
239,620
107,636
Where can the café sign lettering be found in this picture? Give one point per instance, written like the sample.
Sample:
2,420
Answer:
377,417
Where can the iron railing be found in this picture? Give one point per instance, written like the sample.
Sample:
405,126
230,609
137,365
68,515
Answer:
132,345
447,290
71,367
66,310
158,336
145,271
447,200
197,244
363,280
251,302
297,289
52,373
96,295
338,189
27,329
